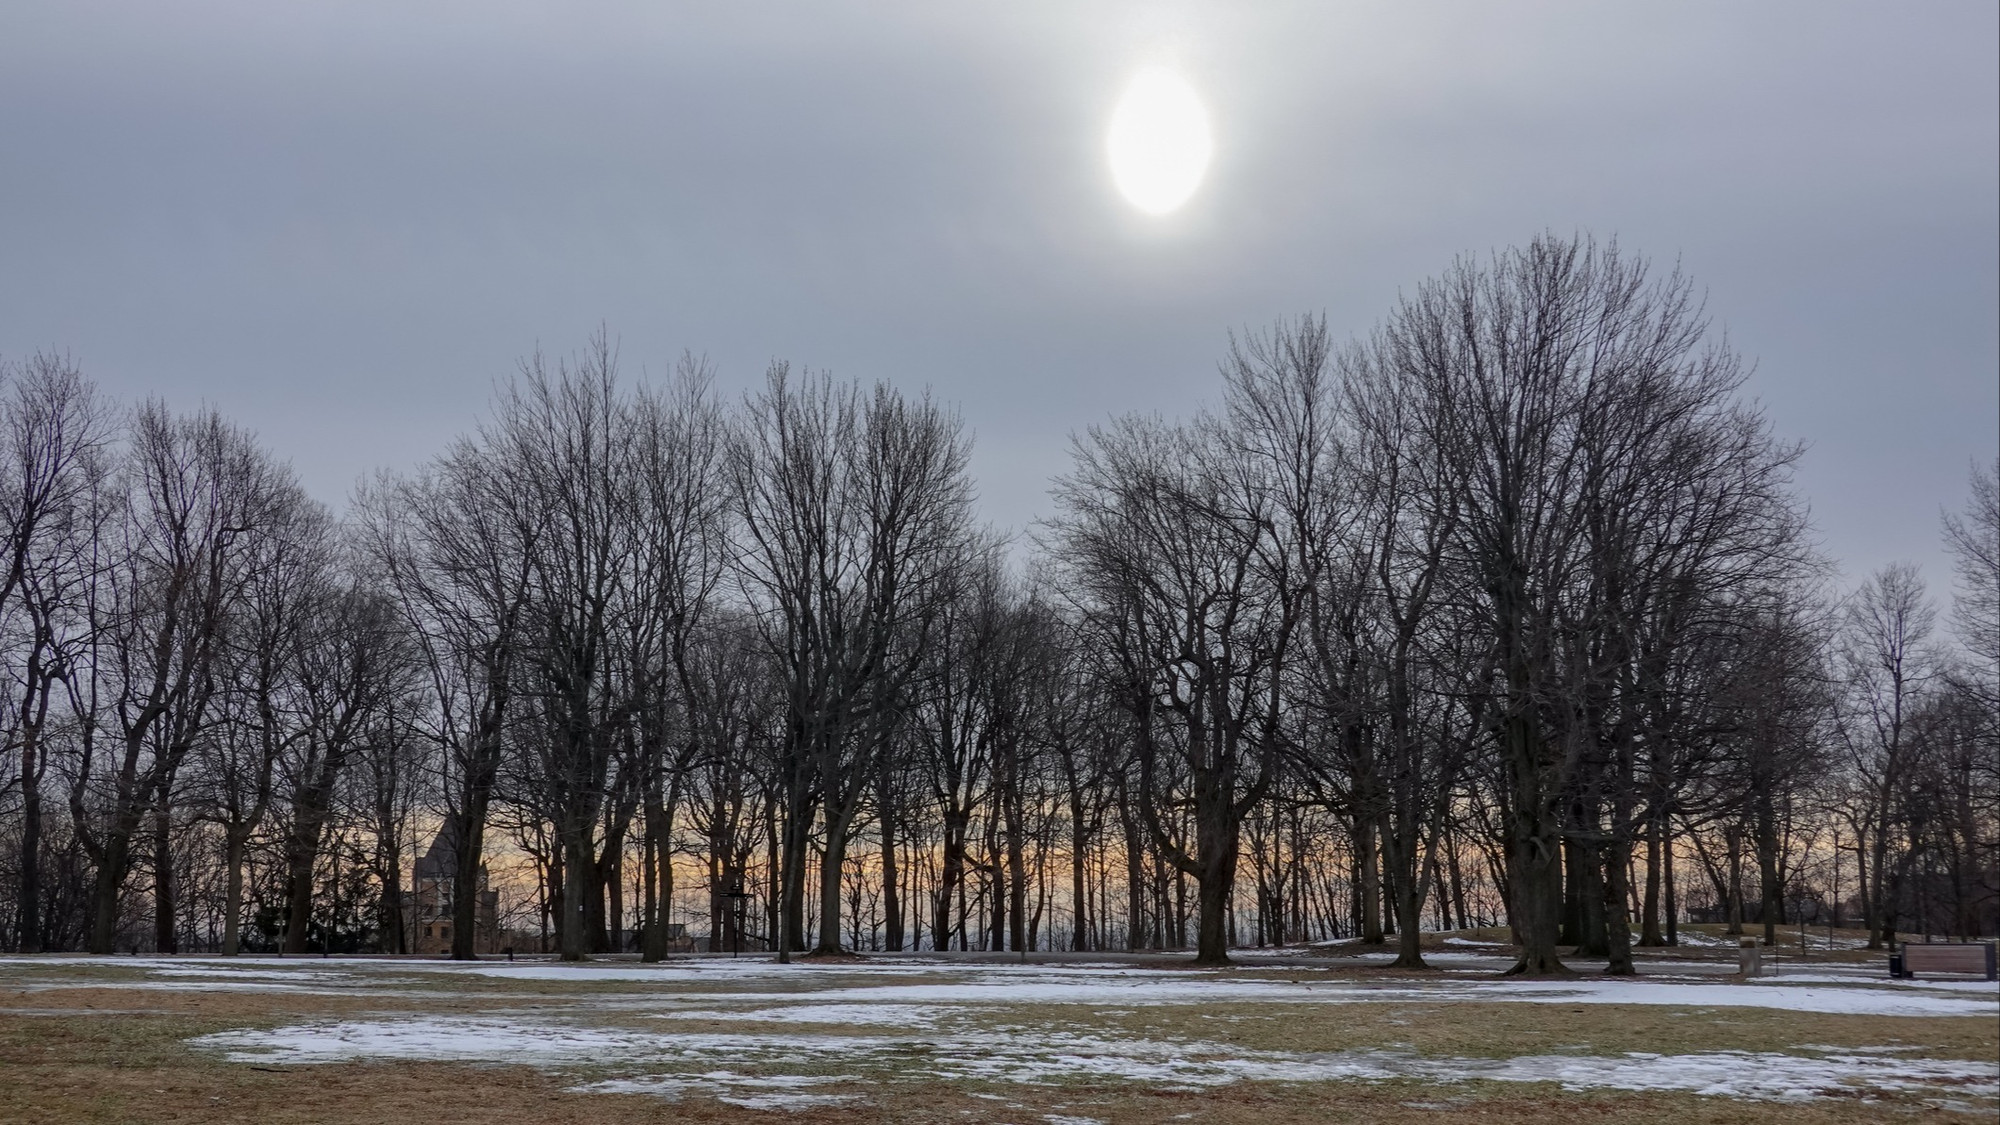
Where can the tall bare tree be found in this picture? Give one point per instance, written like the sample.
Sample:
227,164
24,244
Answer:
259,716
678,539
1889,664
456,542
197,494
1192,550
54,432
854,509
352,657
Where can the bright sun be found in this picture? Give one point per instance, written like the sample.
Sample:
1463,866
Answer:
1159,141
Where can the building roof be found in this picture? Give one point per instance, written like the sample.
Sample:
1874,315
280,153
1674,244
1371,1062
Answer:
441,859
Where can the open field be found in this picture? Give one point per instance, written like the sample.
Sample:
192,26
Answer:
1287,1036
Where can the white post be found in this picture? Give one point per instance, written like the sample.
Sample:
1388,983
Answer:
1749,957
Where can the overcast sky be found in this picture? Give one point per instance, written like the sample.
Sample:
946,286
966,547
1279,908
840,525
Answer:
341,223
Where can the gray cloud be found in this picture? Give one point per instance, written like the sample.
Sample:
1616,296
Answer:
342,223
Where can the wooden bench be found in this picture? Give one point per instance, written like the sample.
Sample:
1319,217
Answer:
1942,957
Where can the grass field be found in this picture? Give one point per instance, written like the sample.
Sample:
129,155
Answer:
1315,1035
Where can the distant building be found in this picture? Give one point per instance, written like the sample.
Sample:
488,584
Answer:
431,904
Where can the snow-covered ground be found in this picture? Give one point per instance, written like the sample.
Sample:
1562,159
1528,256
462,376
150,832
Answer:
817,1034
918,987
1024,1055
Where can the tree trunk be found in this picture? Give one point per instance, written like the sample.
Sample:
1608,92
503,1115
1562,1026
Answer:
165,937
1135,875
579,862
1572,901
1367,881
469,838
1617,900
1457,880
1864,893
236,842
112,860
1593,938
1216,846
389,914
28,920
774,867
655,832
1211,932
1535,874
1079,903
832,868
792,875
1017,877
1408,892
1649,915
311,807
1767,873
951,874
1733,841
892,890
1673,893
608,900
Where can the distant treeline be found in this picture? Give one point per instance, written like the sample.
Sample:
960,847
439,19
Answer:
1506,613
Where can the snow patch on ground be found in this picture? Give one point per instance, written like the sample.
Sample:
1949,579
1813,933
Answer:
493,1039
1765,1076
778,1092
666,972
787,1101
231,972
1757,994
198,985
1030,1056
891,992
868,1015
1154,989
1879,979
902,991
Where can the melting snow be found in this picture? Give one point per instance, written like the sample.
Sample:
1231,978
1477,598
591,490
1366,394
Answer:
900,992
1030,1057
772,1092
869,1015
880,1014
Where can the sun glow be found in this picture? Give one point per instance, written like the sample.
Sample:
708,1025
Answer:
1159,144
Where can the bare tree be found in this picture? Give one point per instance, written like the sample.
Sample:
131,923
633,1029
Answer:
198,492
258,716
853,511
1889,664
1545,379
680,512
1973,537
351,657
54,435
456,543
1191,550
566,440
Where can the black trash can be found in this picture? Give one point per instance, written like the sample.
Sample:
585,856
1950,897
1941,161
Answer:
1896,966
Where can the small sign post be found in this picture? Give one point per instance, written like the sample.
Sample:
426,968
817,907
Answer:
736,894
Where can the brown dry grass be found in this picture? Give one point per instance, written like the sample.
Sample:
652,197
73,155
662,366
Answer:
1715,946
161,1087
115,1054
1492,1030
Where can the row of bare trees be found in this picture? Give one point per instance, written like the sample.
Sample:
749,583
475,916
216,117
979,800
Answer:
188,641
1503,614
